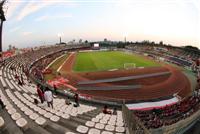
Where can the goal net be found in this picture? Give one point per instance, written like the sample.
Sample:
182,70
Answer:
129,65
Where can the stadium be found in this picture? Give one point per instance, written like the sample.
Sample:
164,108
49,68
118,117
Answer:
99,74
94,87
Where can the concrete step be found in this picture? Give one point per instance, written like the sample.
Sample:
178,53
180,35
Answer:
55,128
72,125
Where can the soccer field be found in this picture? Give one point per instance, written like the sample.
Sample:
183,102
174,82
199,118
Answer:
107,60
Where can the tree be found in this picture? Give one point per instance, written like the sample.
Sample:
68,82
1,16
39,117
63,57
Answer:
80,41
191,47
161,43
86,41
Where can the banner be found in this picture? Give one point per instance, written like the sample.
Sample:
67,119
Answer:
60,81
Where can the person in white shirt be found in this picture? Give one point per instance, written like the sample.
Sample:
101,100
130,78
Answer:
48,97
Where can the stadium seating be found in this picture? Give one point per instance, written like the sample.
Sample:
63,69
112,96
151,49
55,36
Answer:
22,115
170,114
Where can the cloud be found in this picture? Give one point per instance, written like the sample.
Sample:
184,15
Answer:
15,29
12,7
26,33
32,7
29,9
24,8
47,17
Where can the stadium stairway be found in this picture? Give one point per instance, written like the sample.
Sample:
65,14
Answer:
21,115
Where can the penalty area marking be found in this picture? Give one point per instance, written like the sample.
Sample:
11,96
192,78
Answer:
58,70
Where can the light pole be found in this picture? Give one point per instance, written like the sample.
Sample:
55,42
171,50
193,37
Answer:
60,37
125,39
3,18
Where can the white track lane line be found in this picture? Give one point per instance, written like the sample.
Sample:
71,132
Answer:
55,61
58,70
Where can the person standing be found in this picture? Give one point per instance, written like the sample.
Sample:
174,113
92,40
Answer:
19,82
40,93
55,89
48,97
22,79
76,100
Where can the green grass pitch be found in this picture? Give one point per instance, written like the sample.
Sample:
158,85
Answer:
106,60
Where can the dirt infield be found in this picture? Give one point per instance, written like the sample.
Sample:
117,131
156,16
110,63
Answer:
154,87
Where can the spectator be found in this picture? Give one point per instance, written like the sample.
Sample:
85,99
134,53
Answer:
55,89
1,103
16,77
67,101
22,79
114,111
105,110
48,97
40,93
76,100
42,88
19,82
36,101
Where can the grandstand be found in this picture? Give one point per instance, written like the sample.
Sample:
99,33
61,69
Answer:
23,115
101,87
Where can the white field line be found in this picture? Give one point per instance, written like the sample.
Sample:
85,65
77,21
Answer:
64,62
55,61
113,70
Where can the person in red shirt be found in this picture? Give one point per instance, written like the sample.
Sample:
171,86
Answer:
40,94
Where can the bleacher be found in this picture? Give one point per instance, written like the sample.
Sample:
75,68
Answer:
179,61
22,115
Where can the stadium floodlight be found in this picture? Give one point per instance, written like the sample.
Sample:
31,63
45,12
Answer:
125,36
60,37
3,18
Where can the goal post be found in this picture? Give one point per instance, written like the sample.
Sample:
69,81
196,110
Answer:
129,65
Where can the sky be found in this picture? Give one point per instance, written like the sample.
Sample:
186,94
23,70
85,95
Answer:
38,22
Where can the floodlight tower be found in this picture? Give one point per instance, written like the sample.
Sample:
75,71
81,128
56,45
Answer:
60,39
2,18
125,39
